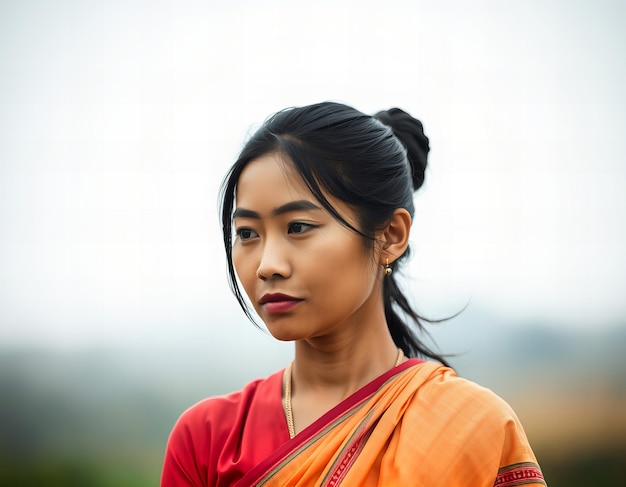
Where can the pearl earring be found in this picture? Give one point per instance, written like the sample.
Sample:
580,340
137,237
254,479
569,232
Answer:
388,270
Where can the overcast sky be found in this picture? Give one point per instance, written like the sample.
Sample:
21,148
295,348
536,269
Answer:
118,120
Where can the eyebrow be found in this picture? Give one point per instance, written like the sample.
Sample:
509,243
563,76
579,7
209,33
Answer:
286,208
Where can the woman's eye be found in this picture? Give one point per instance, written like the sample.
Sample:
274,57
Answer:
246,233
299,227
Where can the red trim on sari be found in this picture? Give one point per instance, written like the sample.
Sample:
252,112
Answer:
263,469
519,474
348,457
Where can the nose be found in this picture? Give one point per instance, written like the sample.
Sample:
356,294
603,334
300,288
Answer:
274,261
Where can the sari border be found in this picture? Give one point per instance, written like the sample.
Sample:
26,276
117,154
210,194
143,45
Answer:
349,454
342,411
523,473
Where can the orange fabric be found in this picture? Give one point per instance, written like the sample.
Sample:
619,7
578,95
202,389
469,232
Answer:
424,427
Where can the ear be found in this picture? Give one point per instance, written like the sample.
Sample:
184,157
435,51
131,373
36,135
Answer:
394,239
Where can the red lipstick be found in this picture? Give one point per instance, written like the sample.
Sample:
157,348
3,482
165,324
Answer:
278,302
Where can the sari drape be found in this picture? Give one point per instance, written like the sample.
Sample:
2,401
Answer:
416,425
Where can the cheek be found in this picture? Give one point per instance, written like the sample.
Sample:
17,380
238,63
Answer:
244,267
346,268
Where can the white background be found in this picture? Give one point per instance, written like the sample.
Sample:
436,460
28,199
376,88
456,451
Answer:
118,120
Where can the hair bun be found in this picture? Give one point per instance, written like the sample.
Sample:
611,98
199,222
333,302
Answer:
410,131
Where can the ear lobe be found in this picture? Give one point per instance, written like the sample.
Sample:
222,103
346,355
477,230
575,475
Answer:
395,238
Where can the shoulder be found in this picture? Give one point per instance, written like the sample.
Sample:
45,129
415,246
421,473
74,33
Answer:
445,386
490,425
474,413
451,403
212,429
472,428
216,413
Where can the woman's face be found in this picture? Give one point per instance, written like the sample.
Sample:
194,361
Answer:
306,274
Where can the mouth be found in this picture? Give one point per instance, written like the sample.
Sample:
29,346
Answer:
278,303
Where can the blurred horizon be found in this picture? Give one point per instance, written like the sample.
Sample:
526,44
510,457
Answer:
104,414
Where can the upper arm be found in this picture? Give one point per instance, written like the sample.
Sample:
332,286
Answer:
518,465
181,465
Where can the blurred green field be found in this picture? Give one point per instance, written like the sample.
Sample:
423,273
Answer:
592,467
74,471
579,440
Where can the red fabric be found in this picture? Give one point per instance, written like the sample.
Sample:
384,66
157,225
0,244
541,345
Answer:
220,439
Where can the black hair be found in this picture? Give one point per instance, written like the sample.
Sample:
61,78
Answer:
372,163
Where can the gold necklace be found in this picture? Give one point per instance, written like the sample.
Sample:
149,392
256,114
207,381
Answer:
287,399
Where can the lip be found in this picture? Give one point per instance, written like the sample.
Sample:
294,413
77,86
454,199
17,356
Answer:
278,302
276,297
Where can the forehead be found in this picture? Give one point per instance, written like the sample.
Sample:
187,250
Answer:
270,180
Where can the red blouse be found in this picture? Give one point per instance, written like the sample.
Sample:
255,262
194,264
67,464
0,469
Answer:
220,439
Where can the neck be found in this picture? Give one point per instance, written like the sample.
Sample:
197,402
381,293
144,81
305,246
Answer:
336,370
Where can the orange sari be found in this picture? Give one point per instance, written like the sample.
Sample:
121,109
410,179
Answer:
417,425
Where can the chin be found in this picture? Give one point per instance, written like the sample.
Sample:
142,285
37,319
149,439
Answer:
283,333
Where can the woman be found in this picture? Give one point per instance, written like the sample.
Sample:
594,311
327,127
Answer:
316,217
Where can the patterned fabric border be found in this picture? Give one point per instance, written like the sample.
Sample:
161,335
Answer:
306,445
348,456
519,474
